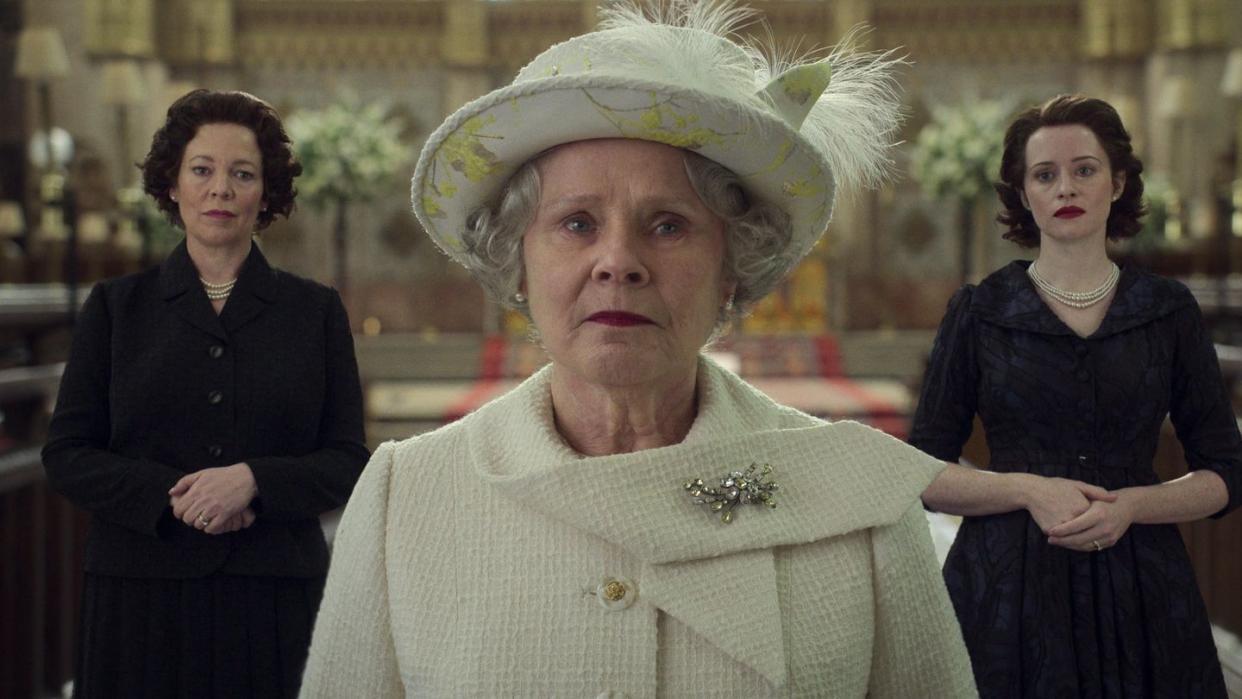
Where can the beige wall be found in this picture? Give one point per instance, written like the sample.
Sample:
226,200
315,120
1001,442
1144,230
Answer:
425,57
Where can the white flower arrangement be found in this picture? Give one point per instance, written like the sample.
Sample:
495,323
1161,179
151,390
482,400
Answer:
349,152
958,155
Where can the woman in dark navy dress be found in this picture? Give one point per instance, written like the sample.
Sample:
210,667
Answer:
210,411
1068,574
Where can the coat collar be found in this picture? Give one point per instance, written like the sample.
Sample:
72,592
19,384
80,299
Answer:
1008,298
256,289
835,478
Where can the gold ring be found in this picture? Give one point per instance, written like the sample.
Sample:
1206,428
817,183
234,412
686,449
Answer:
205,521
1096,544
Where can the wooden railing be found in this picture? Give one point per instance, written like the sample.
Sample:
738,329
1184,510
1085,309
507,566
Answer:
41,538
41,535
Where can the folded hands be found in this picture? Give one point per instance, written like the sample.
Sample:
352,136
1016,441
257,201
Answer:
215,500
1078,515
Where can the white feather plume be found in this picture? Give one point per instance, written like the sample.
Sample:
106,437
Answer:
706,59
719,17
853,123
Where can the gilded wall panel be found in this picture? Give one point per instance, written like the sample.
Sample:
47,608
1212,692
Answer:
336,34
1192,24
1117,29
464,36
196,32
120,27
796,26
979,32
520,31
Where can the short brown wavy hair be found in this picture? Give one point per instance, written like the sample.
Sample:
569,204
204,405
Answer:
1105,123
199,107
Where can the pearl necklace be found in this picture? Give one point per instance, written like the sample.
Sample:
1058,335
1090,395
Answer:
1077,299
216,292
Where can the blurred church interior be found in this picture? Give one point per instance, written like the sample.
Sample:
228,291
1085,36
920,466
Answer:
84,84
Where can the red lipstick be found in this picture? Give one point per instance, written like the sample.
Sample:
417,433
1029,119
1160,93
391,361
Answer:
1069,212
619,318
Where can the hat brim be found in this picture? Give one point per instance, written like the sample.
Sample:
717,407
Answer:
468,159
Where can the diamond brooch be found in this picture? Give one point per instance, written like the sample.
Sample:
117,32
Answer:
735,488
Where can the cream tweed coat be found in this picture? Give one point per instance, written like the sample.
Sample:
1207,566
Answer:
469,563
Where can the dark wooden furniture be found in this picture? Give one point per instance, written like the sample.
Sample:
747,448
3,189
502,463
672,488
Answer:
41,535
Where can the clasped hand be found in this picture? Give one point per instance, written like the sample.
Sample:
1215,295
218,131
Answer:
215,500
1078,515
1102,525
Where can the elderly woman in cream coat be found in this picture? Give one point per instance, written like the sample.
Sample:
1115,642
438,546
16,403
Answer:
634,519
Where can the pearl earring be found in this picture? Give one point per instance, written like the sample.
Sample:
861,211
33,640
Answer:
519,297
728,305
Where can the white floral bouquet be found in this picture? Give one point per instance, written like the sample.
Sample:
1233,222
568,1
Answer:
958,155
349,151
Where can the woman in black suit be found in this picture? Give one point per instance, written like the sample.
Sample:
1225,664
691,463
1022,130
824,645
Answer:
209,413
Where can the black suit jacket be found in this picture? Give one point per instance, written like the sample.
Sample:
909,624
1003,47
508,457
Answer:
157,386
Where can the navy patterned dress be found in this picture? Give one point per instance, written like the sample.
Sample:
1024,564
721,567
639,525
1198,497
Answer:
1044,621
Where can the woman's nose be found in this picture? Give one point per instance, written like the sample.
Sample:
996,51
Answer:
1065,188
620,260
221,186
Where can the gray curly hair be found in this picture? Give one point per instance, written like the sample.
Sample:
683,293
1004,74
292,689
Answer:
757,235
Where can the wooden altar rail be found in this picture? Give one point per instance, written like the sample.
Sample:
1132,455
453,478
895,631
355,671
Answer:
896,355
41,535
41,538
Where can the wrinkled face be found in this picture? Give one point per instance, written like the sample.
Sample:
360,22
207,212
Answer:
1069,185
219,190
623,262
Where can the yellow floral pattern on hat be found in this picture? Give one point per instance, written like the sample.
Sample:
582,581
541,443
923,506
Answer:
464,150
778,159
810,186
663,122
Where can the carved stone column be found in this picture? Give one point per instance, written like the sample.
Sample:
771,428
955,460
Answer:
1190,41
847,14
120,28
1117,38
464,45
855,241
464,51
196,37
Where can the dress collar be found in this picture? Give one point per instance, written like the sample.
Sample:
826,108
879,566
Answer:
1008,298
179,284
636,500
178,274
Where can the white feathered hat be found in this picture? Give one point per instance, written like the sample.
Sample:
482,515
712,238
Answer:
792,130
